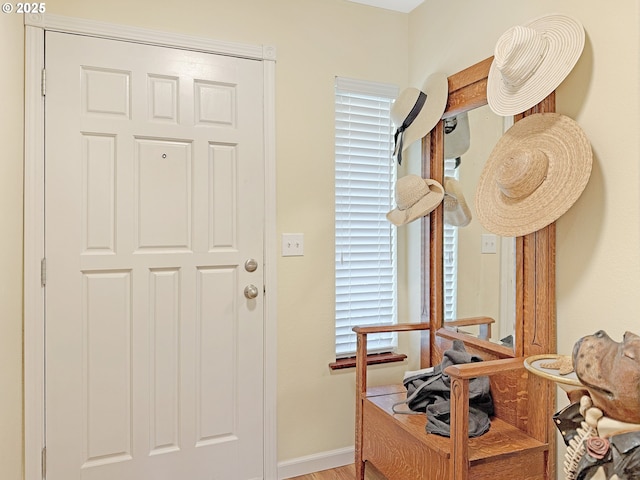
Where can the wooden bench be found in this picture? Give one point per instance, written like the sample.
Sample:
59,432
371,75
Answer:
401,449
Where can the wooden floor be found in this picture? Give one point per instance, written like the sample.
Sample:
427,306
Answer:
347,472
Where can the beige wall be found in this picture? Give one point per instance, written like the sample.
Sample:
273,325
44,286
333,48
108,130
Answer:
11,99
598,251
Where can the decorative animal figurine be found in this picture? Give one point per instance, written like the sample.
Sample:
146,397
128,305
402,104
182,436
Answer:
602,427
610,371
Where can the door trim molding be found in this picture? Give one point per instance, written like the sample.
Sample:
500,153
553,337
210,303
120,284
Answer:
58,23
35,27
33,253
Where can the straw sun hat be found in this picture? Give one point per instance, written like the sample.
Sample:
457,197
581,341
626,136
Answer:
531,60
456,210
535,173
415,197
415,112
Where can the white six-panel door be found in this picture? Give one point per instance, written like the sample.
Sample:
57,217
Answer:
153,203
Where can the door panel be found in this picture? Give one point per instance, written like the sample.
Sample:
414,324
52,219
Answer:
153,201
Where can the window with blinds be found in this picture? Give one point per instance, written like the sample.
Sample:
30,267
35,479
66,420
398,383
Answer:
450,255
365,241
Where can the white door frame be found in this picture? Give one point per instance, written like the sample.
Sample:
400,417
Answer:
34,355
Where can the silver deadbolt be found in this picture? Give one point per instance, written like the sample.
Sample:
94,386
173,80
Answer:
251,265
250,291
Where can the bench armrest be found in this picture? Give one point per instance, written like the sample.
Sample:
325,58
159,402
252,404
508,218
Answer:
483,324
361,348
408,327
398,327
467,371
460,376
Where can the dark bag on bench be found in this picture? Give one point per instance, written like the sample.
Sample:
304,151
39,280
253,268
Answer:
429,391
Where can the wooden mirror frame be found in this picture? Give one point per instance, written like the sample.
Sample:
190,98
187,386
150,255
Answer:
535,328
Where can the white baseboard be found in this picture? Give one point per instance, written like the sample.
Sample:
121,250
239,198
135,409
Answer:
315,463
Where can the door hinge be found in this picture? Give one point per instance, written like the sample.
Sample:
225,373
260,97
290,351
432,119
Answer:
44,462
43,272
43,82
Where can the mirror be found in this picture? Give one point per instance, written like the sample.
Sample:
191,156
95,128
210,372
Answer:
478,267
534,257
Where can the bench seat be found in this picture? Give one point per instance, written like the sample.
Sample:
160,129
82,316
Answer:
503,452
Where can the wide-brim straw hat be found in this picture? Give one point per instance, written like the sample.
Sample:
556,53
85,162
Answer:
535,173
531,61
456,210
415,198
457,137
416,111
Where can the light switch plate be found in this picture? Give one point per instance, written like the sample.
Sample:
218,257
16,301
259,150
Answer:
489,243
292,244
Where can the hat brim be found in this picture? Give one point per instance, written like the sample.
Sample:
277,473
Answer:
436,87
422,207
566,38
456,210
570,161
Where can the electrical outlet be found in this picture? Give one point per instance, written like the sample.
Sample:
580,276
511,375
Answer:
292,244
489,243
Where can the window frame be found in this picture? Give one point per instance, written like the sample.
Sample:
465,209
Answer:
382,346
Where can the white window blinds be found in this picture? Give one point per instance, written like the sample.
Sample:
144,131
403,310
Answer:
365,241
450,255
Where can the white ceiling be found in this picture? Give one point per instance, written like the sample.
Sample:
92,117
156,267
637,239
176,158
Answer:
404,6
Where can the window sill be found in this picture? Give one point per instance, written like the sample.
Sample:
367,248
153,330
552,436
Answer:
373,359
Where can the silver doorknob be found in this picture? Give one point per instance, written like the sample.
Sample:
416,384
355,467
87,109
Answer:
251,265
250,291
